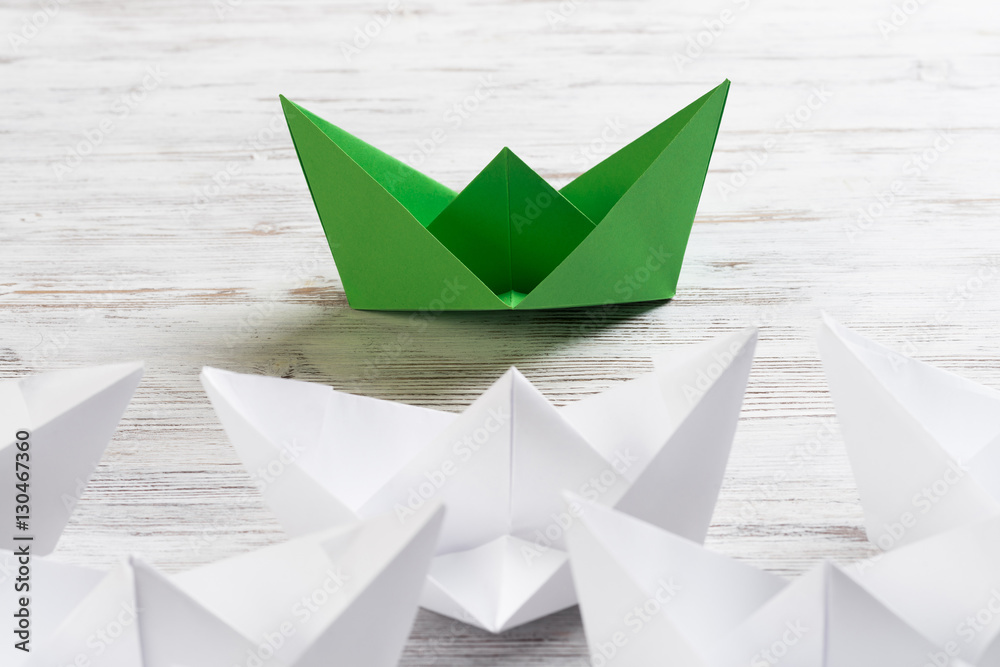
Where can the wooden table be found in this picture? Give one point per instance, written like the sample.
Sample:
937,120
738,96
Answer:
152,208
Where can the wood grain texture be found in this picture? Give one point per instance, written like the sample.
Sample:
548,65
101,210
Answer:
184,235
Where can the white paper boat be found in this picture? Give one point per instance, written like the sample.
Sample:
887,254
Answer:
649,598
346,596
827,619
55,591
655,447
924,444
947,586
70,417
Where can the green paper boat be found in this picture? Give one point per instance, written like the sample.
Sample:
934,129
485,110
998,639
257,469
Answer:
615,234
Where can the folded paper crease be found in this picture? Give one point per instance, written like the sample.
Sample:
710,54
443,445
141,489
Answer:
71,417
924,444
656,446
649,597
301,603
403,241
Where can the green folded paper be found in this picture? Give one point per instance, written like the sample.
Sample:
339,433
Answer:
615,234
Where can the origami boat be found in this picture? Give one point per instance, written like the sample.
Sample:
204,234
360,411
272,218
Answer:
947,586
615,234
346,596
70,417
924,444
649,598
655,447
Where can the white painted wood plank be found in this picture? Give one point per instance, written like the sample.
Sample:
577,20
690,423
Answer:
135,253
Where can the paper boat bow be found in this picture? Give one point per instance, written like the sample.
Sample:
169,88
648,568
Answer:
947,586
650,598
346,596
403,241
924,444
655,447
70,417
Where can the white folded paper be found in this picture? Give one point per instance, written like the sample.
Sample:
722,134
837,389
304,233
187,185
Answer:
346,596
827,619
947,586
52,589
650,598
924,444
655,447
69,417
